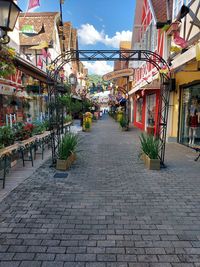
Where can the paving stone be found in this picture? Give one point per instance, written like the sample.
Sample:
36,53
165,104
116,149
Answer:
30,264
109,212
52,264
9,263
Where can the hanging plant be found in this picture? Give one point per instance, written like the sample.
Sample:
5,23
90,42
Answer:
7,67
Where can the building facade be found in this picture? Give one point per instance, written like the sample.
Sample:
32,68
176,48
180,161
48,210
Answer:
145,89
184,33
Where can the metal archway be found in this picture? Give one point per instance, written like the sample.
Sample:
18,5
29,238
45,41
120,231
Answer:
55,116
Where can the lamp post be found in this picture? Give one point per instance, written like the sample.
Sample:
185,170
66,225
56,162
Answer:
9,13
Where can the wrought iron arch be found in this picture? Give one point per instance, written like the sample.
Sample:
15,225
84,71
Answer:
55,116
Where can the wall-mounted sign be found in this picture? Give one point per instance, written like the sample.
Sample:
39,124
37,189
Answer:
7,90
117,74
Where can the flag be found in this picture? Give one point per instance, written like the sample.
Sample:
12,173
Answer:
45,53
40,62
33,4
179,40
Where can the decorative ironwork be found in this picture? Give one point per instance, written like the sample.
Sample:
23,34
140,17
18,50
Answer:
108,55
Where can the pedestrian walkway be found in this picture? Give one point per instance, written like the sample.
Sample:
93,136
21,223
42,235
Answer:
108,211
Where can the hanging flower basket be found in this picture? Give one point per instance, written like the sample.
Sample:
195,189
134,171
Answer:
7,67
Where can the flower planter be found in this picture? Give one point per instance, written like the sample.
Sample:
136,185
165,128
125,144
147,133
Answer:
64,165
124,129
152,164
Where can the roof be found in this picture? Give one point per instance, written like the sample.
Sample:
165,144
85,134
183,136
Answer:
67,34
160,9
38,19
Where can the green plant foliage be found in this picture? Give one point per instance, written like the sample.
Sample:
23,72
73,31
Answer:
7,136
76,106
68,118
39,127
123,122
67,146
87,125
150,145
7,66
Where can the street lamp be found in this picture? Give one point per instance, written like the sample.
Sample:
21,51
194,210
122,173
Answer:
9,13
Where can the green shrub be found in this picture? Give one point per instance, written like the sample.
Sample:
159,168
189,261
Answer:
87,125
67,146
123,122
150,145
68,118
7,136
39,127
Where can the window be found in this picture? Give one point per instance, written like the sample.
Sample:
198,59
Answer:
190,116
177,6
139,107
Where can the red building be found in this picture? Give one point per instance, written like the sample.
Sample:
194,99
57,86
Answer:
145,88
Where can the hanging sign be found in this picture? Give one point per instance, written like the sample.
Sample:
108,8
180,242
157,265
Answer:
7,90
119,73
28,29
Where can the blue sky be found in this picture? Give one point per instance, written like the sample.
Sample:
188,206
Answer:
101,24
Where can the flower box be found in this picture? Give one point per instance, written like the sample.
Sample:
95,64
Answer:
152,164
64,165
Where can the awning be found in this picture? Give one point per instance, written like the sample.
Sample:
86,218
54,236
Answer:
154,85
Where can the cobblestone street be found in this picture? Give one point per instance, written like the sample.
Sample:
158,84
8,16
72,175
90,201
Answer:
108,212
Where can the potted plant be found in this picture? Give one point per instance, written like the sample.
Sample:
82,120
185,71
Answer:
124,123
87,126
150,151
67,151
6,136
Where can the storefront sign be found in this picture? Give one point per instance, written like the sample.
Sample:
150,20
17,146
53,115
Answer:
116,74
7,90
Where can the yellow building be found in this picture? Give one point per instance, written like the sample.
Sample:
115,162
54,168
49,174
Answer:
184,112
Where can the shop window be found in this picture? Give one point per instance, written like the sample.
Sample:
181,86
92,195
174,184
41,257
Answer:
139,108
190,116
150,112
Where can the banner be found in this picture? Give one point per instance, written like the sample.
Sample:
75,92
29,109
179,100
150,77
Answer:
33,4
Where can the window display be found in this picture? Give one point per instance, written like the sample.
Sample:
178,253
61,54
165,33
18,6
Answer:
139,110
190,121
151,109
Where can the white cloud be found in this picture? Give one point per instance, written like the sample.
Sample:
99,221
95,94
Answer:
88,35
119,36
98,67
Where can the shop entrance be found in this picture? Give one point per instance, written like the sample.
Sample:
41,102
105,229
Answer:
55,114
190,116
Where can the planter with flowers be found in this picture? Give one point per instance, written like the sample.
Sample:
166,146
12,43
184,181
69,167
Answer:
23,131
67,151
87,121
7,67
